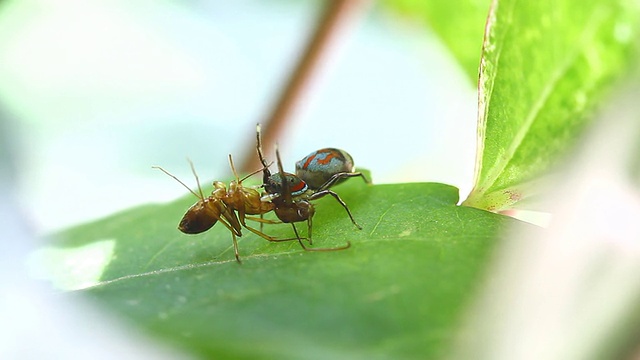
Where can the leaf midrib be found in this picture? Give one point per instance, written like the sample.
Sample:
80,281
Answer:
222,262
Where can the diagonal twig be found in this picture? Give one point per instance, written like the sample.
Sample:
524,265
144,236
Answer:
336,15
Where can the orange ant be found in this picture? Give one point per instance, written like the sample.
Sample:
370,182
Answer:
222,205
290,197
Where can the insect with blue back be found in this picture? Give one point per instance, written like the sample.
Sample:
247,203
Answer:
326,167
291,196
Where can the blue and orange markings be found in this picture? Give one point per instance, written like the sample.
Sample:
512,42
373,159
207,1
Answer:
328,156
326,167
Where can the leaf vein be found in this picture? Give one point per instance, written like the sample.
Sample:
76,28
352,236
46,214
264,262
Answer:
380,219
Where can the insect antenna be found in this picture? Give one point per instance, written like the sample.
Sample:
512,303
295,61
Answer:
201,196
195,174
285,182
235,173
265,169
239,181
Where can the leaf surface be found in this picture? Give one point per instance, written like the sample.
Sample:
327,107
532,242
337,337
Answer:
544,67
396,293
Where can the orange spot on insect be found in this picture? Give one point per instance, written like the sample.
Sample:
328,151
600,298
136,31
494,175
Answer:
327,159
298,187
309,160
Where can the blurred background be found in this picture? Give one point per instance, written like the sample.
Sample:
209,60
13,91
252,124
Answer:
98,92
92,94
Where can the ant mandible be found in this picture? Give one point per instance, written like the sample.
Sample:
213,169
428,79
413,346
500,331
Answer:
291,197
222,206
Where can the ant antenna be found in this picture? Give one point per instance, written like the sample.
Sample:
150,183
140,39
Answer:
238,180
233,168
183,184
193,170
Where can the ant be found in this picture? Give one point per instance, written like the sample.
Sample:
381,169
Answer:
291,196
222,206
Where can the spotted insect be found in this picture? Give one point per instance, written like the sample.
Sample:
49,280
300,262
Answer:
326,167
291,197
227,206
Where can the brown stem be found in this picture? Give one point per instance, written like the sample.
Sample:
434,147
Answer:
336,14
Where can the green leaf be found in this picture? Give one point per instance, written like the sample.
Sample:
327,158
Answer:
396,293
459,24
544,67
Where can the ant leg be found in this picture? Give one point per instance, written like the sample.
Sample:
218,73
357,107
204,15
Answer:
259,232
319,194
235,248
309,223
318,249
232,219
295,231
230,227
267,237
339,176
262,220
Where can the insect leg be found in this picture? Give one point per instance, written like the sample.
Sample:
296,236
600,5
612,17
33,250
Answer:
318,249
319,194
339,176
309,222
259,232
263,220
235,248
